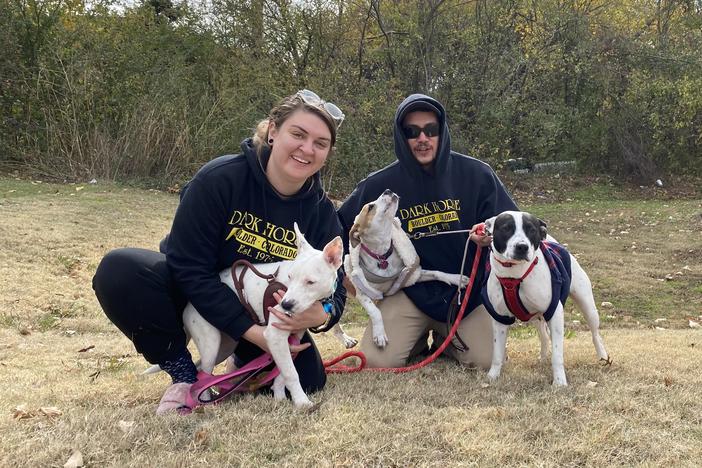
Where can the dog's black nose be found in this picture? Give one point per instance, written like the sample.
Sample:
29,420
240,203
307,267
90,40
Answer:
287,304
521,250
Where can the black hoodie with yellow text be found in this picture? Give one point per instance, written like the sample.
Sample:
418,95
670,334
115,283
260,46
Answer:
457,193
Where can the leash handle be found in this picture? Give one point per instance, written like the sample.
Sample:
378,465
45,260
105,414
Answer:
252,373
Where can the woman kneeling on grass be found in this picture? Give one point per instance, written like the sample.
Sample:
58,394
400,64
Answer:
271,184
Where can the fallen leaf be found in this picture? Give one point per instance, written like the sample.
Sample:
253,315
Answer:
125,426
87,348
75,460
484,385
78,189
201,437
21,412
591,384
693,324
606,305
669,277
660,328
658,320
667,381
50,411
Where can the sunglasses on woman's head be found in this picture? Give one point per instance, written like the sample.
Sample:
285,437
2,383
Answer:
311,98
413,131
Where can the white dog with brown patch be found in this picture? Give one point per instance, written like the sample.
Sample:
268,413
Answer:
382,259
309,277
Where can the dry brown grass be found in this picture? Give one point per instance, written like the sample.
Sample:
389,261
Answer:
644,410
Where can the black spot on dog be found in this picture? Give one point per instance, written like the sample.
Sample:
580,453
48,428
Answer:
503,228
534,229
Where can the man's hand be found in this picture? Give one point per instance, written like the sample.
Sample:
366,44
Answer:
255,336
482,240
300,321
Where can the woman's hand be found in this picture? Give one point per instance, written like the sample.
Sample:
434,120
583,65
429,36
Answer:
482,240
255,336
300,321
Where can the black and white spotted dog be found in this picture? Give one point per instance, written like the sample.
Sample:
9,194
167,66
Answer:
530,278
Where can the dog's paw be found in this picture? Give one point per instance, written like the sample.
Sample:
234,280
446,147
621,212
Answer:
303,404
380,340
350,342
493,375
464,281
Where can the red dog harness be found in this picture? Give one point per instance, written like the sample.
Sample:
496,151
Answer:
558,260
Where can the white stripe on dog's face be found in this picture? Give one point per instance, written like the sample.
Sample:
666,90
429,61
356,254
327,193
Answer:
516,235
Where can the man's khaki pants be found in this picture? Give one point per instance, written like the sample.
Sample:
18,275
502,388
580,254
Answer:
407,327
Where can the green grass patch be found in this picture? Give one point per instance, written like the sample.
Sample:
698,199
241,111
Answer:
8,321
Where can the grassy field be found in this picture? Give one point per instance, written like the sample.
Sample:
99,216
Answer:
71,381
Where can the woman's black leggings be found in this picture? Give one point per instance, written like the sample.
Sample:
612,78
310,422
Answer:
138,294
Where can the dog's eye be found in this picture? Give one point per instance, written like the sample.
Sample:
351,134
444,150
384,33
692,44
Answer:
370,207
309,282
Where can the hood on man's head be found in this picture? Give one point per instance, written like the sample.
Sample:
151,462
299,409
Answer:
413,103
417,106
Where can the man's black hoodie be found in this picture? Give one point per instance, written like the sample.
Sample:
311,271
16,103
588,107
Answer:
458,192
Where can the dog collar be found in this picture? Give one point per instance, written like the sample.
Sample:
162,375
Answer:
382,259
516,281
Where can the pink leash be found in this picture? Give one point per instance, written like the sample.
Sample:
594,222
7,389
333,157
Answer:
247,379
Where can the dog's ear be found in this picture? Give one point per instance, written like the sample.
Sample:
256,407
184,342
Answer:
489,223
334,252
357,229
542,229
355,235
300,240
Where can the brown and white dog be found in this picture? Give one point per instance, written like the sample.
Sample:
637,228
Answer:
530,277
382,259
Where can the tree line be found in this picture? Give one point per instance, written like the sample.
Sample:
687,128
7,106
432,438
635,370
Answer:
149,91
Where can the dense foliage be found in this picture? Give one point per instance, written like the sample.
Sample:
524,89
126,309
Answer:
150,91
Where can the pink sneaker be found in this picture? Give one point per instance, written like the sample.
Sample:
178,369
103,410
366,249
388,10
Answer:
175,398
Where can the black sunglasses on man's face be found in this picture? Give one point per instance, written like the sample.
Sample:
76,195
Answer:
413,131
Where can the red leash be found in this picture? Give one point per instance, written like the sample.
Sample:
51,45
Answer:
331,366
